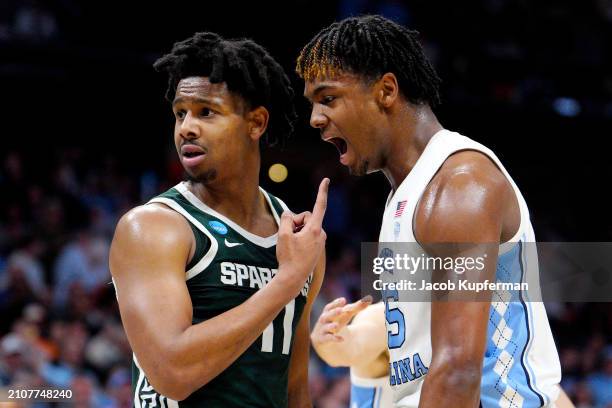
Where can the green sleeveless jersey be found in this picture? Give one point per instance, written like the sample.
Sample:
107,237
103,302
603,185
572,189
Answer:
229,265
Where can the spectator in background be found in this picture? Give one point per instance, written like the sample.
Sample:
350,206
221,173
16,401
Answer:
86,393
22,280
12,349
84,263
119,387
61,372
26,269
582,396
600,383
107,348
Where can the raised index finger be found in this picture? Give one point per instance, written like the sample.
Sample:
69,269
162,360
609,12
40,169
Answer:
320,206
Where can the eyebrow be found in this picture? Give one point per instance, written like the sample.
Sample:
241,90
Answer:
320,89
196,99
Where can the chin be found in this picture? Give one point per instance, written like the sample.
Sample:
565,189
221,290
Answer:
359,169
203,177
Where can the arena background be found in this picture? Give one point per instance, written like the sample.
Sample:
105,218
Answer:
86,135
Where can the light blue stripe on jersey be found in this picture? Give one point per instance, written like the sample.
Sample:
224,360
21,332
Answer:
506,379
365,397
532,375
529,326
532,331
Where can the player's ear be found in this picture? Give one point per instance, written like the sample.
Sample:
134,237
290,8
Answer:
387,90
258,122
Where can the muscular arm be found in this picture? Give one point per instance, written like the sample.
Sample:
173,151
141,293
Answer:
355,345
468,201
148,256
299,395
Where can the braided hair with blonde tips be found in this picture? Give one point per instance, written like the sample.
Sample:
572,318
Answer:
371,46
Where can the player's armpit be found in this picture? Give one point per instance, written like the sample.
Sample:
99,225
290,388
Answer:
299,395
465,204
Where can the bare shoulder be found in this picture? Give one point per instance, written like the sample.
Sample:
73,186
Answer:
468,189
150,223
148,233
467,168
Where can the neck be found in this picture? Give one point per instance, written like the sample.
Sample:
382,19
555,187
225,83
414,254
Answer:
410,132
237,197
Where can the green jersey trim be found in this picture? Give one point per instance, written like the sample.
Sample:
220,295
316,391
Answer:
265,242
144,392
281,203
201,246
214,245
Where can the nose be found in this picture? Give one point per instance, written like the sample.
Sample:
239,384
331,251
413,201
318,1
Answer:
317,119
188,128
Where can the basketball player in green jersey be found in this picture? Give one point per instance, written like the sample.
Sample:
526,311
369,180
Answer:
215,277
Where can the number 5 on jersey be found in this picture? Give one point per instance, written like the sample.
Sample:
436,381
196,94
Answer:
394,316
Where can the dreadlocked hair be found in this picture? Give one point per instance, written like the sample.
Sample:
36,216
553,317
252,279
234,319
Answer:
246,68
371,46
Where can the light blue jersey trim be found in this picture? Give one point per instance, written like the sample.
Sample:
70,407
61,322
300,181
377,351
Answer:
507,378
530,332
365,397
529,312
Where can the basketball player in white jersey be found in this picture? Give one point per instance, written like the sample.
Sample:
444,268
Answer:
360,345
372,89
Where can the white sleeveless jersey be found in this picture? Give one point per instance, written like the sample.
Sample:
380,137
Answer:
521,367
370,392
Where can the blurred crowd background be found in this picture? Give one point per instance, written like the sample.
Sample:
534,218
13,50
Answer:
87,136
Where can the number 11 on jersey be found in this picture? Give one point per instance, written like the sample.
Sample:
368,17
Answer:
267,337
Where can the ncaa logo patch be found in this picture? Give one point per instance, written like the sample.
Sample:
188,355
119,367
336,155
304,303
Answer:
218,227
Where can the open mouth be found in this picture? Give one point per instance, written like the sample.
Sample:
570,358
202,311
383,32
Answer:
339,143
191,151
192,154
